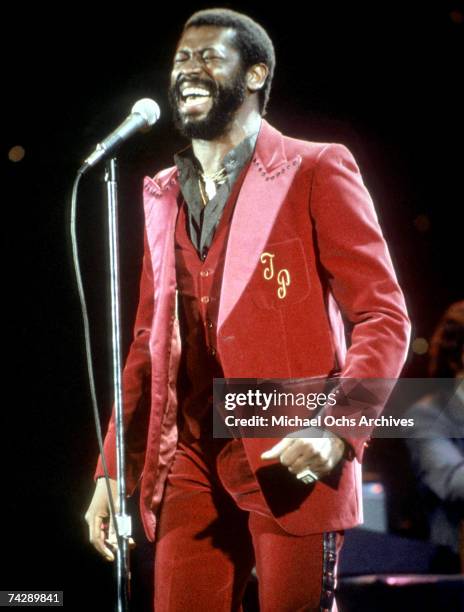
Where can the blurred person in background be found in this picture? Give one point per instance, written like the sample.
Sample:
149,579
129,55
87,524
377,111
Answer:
437,448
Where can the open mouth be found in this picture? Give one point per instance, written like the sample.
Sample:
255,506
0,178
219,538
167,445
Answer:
194,98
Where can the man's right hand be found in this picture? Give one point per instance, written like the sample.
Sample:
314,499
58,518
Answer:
101,530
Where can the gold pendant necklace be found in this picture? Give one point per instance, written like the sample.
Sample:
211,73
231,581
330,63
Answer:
207,184
218,176
202,194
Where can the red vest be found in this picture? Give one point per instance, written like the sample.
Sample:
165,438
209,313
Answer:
199,279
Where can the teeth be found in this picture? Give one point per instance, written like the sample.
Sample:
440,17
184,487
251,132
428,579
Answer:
194,91
193,100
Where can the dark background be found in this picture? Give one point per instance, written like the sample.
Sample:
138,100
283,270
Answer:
383,79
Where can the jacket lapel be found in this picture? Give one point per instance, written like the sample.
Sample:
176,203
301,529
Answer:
160,203
262,194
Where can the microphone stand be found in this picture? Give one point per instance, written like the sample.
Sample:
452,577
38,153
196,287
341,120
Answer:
123,520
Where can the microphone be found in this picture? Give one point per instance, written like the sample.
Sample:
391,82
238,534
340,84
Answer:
145,113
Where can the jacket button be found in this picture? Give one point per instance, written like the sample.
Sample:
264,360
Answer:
205,299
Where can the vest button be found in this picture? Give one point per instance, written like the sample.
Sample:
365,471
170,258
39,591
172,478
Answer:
212,351
204,272
209,324
205,299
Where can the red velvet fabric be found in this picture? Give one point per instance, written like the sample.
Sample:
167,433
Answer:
199,280
208,542
305,203
214,524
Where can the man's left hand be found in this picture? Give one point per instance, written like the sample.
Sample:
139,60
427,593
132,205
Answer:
320,455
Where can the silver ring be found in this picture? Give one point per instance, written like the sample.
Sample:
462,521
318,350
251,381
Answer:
307,476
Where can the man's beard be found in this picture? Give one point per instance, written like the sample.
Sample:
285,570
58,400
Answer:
226,99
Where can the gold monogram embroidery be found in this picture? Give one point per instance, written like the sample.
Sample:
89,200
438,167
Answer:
268,272
283,276
283,279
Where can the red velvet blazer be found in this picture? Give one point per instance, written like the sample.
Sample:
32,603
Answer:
306,204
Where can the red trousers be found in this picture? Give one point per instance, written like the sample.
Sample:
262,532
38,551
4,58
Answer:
212,532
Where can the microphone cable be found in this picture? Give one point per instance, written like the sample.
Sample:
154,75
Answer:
88,346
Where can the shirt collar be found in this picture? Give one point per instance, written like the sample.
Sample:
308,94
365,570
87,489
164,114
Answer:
188,165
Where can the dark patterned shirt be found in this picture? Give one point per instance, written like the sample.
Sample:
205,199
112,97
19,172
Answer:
203,220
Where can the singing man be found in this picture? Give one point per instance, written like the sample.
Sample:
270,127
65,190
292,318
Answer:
257,247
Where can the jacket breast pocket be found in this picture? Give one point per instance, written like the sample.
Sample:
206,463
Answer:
281,277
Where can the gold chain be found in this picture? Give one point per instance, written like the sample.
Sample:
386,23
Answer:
217,177
203,196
